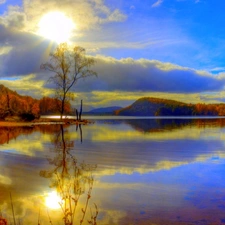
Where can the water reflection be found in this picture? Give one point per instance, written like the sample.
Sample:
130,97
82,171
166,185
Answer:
142,125
160,125
70,178
149,172
71,181
8,133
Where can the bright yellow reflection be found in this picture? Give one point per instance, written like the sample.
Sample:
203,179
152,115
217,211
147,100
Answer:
53,201
56,26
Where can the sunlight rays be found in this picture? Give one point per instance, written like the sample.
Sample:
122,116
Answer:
56,26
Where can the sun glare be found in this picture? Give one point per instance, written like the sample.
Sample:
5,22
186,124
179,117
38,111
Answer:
56,26
52,201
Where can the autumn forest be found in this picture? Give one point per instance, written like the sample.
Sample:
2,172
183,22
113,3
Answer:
26,107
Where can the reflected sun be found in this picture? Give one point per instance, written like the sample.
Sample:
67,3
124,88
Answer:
53,201
56,26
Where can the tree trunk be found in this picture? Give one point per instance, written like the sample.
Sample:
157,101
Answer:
64,162
81,136
8,110
62,108
77,114
7,95
80,110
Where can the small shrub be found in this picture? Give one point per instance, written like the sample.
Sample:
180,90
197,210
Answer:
27,116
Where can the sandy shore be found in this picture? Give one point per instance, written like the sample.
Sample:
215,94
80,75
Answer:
15,124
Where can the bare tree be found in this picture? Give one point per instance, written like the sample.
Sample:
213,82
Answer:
68,65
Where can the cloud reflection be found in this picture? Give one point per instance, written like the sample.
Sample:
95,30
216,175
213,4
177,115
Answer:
145,167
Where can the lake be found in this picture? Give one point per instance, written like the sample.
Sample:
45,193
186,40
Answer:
115,171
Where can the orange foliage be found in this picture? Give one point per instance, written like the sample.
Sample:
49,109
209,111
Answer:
15,104
12,103
3,221
35,110
51,106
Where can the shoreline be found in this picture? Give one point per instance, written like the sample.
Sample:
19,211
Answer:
13,122
43,122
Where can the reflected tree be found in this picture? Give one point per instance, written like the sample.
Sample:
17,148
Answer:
80,129
71,179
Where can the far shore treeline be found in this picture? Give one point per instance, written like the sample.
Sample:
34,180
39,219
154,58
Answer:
28,108
163,107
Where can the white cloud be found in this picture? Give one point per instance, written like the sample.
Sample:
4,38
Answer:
5,50
5,180
2,1
146,75
158,3
116,16
126,74
15,18
86,14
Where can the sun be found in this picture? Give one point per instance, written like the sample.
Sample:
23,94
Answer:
56,26
53,201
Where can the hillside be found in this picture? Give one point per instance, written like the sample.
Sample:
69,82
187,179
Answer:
154,106
11,103
25,107
148,106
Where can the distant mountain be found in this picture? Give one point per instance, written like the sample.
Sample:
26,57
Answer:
105,110
85,108
148,106
110,109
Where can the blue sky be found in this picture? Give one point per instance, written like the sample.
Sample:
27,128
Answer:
161,48
188,33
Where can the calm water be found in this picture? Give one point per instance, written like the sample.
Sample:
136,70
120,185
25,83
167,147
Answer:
137,171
